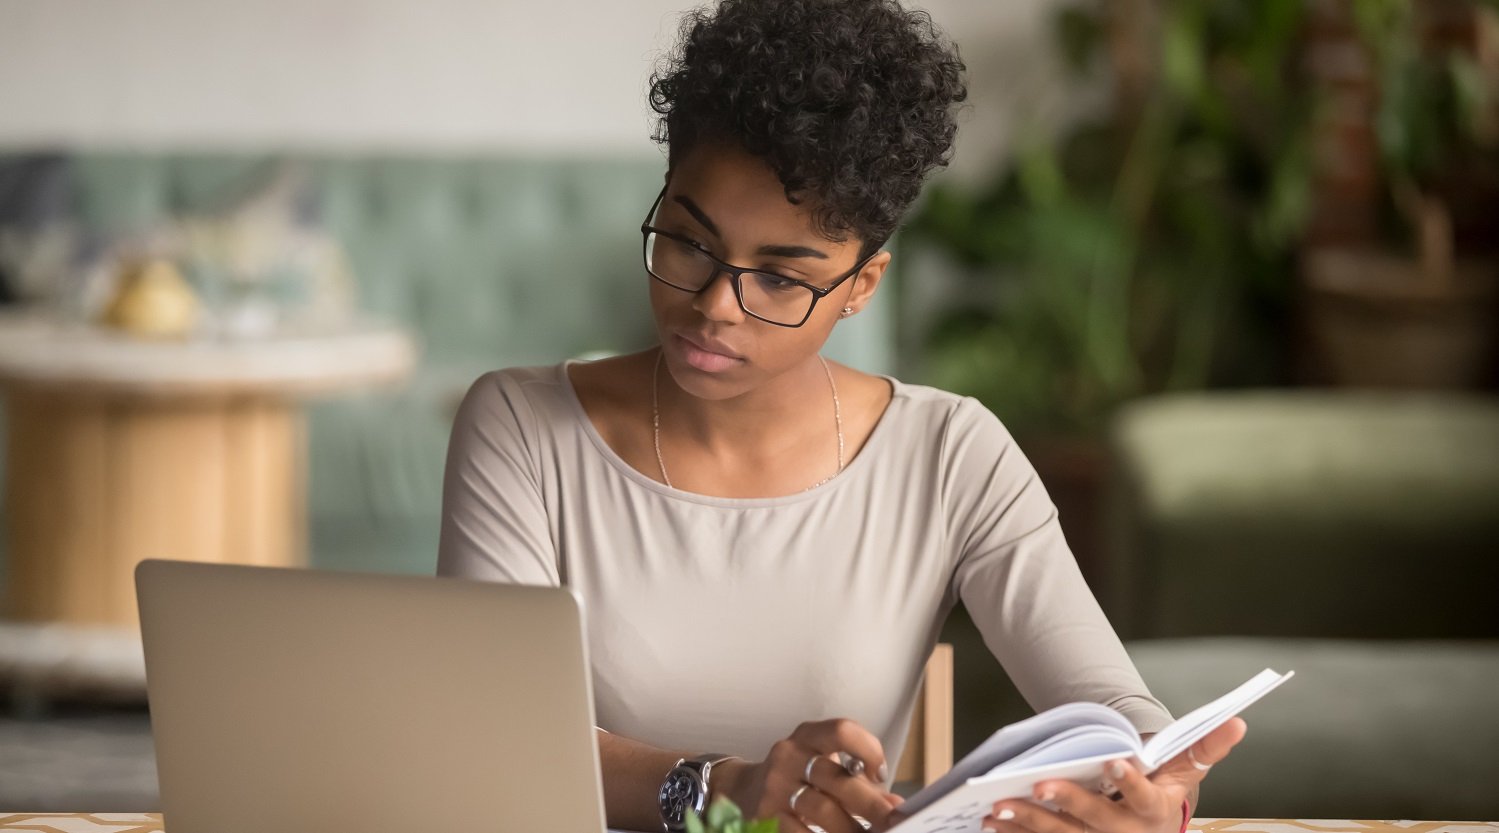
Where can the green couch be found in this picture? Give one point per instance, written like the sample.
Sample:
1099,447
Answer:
1353,537
491,260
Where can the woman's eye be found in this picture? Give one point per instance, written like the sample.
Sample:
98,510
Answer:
770,280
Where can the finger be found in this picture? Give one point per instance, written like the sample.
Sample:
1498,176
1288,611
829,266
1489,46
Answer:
1219,742
1035,817
842,735
1086,806
856,795
1206,752
992,823
792,764
784,765
1139,794
817,808
788,823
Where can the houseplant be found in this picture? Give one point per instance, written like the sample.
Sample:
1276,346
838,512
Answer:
1149,248
1419,306
724,816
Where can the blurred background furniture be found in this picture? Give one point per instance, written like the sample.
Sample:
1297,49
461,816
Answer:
928,754
122,449
487,261
1350,536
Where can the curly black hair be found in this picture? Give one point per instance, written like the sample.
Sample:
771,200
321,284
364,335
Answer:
851,102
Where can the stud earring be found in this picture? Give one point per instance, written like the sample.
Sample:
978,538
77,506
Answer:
847,311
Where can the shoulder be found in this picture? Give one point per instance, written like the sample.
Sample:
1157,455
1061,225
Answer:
515,384
514,400
957,421
974,460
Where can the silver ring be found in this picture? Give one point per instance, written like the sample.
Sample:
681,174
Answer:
798,794
807,773
1199,765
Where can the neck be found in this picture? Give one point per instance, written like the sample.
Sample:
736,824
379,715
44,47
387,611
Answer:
762,420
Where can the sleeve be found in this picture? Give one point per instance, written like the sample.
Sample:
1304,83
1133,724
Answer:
1020,582
494,519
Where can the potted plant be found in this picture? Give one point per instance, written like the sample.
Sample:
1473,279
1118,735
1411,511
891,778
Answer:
1149,248
1413,309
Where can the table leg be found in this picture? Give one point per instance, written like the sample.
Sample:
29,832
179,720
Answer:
96,483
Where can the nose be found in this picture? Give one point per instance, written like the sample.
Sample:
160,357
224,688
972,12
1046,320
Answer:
717,301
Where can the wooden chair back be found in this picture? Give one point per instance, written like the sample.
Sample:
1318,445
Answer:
928,752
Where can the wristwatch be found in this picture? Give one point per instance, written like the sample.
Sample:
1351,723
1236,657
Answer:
685,790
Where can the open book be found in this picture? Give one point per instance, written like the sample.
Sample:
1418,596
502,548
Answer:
1071,742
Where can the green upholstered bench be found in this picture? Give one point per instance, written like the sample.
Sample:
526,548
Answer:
1306,513
1369,728
1350,536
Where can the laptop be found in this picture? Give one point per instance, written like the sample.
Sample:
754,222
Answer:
303,700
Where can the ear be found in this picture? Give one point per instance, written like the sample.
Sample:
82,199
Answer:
866,282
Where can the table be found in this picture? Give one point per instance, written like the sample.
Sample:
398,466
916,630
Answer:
151,823
122,449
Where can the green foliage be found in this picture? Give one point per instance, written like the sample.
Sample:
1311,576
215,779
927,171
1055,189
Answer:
1150,249
725,817
1436,105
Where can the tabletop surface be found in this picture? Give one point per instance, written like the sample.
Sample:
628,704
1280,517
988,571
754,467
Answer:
151,823
34,348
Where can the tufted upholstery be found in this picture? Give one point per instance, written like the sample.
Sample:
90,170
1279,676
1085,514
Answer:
1349,536
1328,514
491,260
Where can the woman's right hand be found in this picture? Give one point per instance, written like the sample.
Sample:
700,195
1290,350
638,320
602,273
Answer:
832,797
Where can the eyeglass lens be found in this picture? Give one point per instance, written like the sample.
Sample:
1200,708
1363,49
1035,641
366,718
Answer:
687,267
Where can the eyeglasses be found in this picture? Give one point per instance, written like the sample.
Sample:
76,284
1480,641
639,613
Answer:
681,263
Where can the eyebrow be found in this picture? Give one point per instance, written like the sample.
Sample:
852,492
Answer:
769,250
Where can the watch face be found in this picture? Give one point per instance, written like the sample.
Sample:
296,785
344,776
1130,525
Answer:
681,792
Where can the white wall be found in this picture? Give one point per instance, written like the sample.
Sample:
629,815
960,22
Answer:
412,74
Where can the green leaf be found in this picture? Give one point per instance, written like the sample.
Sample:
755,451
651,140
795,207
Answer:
695,824
1182,61
725,817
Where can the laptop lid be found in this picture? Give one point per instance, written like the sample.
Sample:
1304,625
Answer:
302,700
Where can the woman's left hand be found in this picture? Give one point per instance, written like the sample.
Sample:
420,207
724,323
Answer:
1148,805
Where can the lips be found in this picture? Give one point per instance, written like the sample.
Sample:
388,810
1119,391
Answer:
706,354
709,345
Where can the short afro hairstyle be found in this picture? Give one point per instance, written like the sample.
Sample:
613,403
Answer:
851,102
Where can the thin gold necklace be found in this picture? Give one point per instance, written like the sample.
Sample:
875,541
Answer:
656,420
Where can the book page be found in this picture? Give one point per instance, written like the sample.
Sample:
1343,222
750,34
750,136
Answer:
1197,724
1015,739
1071,742
963,810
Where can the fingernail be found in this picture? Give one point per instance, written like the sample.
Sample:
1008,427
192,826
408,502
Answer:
1005,815
1048,794
1116,770
884,772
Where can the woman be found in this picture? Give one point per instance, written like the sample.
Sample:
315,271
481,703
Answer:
767,542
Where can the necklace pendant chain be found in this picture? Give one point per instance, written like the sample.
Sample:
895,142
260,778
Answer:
656,420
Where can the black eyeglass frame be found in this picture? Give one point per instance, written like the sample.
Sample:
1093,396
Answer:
734,272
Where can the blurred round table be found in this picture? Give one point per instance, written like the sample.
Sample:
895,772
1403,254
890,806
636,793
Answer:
121,449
